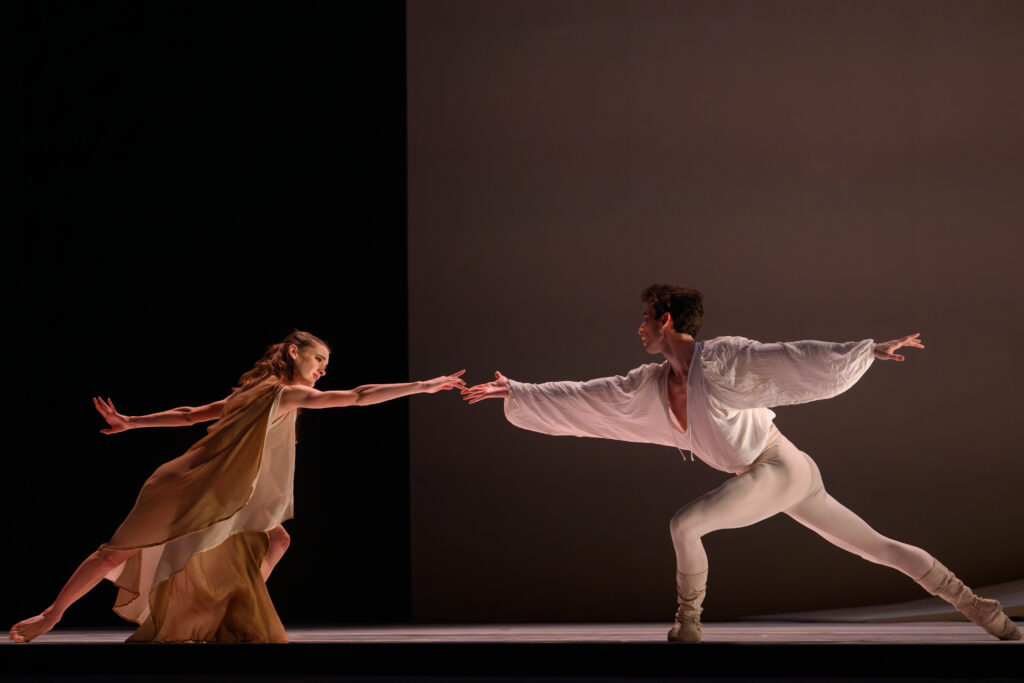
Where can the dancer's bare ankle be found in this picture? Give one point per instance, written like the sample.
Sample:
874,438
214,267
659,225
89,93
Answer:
33,627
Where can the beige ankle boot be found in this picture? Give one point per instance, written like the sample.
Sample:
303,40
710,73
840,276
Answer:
987,614
690,590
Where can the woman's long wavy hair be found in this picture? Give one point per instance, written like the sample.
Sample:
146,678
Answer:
276,363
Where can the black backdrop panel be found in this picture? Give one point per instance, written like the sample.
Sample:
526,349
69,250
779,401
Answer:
201,178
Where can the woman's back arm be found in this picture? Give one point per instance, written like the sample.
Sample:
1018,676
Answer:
175,417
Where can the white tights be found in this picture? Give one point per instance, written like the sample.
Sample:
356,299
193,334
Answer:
785,479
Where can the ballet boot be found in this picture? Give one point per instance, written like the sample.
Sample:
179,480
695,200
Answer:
690,590
987,614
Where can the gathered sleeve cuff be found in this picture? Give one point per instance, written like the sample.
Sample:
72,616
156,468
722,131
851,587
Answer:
743,373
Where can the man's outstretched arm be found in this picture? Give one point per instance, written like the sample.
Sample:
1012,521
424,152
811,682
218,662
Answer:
747,374
604,408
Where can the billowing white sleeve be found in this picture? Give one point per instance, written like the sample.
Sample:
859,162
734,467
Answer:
743,373
603,408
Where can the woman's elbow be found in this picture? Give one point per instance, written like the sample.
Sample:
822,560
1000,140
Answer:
196,415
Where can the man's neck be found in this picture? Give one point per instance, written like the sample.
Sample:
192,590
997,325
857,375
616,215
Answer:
679,354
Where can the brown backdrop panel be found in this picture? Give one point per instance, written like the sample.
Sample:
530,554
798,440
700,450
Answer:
820,170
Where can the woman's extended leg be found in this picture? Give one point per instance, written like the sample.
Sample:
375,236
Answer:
841,526
88,574
279,540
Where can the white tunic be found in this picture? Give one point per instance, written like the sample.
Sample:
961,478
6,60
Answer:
732,383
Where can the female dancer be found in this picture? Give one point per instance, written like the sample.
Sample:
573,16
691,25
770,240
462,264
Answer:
192,557
714,398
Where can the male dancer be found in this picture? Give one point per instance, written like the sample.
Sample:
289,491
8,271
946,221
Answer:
713,397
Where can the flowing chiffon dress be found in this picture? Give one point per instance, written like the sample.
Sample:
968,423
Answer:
200,524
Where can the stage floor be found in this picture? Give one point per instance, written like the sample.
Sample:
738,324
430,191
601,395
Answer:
736,633
568,652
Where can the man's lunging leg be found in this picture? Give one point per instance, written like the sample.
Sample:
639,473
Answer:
774,483
839,525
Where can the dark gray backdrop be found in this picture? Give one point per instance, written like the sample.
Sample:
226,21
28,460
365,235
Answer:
820,170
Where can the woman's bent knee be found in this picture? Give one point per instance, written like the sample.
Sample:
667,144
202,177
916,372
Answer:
112,558
280,538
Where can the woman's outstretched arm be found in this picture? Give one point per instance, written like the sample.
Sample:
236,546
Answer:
298,396
175,417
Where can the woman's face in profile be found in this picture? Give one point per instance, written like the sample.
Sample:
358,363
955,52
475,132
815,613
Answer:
310,364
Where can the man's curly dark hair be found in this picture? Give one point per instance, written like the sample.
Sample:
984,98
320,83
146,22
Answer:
685,304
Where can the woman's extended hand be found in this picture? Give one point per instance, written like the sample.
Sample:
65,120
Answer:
432,386
496,389
885,350
117,421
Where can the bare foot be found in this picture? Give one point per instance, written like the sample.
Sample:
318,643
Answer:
26,630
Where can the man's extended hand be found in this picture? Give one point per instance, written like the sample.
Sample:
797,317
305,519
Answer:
885,350
496,389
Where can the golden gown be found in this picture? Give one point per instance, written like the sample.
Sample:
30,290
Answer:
200,524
